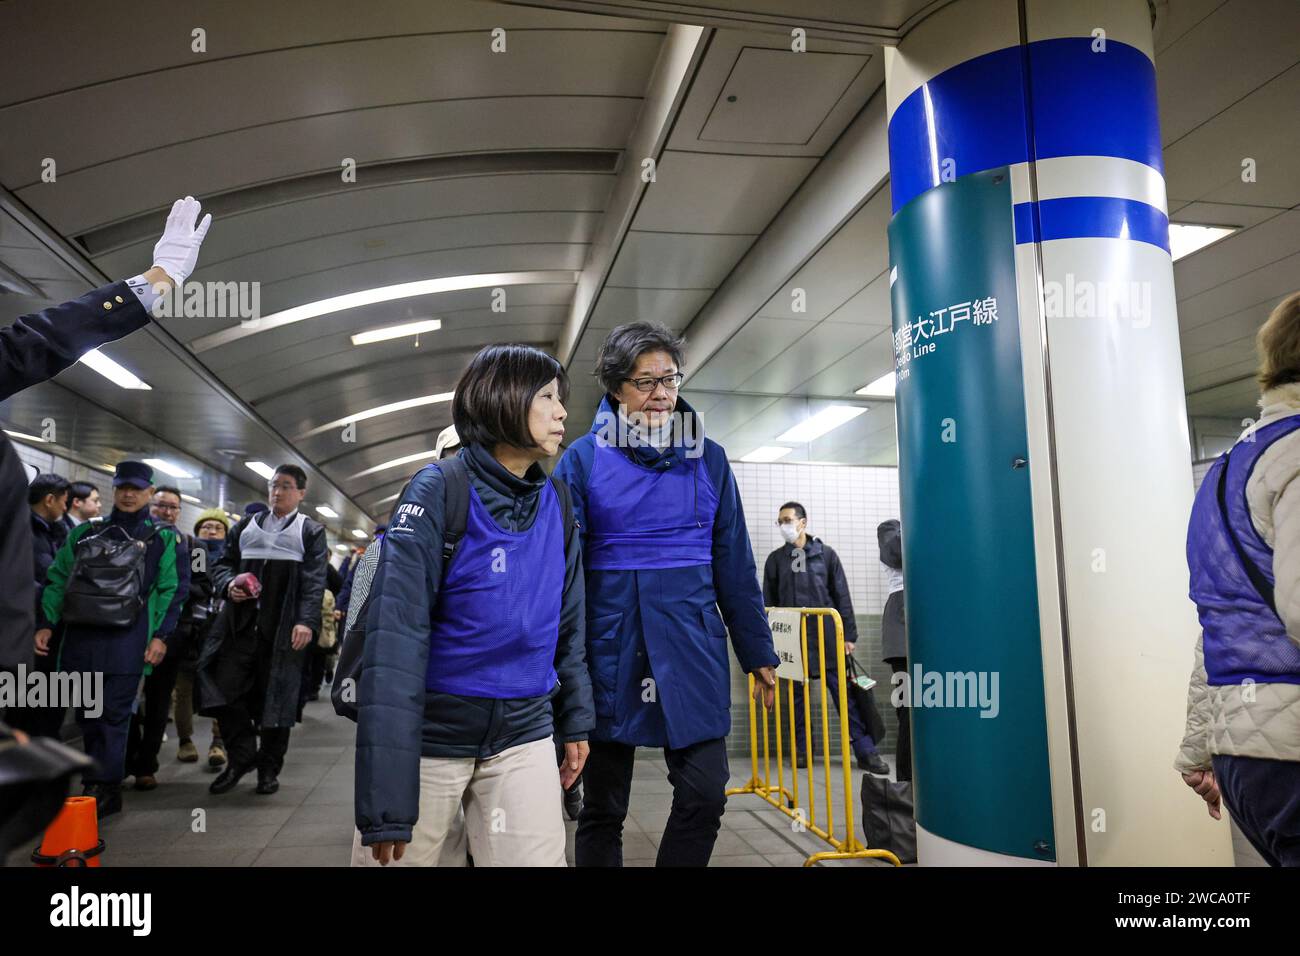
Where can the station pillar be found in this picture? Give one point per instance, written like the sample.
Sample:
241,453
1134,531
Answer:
1044,461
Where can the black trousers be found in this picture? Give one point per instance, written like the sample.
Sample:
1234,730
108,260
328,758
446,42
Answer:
147,728
1263,796
904,757
41,721
245,666
698,774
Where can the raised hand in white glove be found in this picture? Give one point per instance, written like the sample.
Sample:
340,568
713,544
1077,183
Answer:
177,252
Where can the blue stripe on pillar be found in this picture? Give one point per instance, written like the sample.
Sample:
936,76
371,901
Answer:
1099,217
1085,104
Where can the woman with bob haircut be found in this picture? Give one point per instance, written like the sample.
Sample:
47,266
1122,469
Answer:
470,670
1242,742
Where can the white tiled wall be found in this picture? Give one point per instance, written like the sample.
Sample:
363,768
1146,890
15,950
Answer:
844,505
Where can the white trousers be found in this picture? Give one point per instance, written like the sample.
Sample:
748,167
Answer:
508,808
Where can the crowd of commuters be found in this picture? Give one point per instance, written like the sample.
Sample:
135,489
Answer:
519,635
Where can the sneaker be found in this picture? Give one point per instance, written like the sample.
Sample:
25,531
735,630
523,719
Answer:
146,781
216,756
187,752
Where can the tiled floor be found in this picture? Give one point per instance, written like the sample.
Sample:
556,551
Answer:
309,821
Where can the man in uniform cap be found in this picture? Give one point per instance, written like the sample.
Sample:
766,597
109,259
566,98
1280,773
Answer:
123,652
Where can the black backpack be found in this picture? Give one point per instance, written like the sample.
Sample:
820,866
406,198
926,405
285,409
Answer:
106,585
347,672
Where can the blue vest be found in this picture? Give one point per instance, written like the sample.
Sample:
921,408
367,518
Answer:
641,517
1243,636
497,620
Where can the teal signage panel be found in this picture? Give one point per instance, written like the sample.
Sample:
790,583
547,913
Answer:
975,661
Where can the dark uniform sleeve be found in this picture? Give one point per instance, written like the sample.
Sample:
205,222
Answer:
17,599
311,576
838,586
735,578
771,583
395,661
575,711
227,567
183,558
39,346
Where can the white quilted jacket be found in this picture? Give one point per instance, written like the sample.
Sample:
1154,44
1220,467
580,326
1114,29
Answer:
1259,720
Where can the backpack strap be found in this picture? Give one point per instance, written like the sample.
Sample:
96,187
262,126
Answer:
566,507
455,515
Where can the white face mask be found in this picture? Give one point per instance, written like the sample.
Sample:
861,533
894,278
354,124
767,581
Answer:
789,531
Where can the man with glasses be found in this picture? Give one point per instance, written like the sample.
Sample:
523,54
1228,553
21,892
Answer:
670,575
251,666
149,722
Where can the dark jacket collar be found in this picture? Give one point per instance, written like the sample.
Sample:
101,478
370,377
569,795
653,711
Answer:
500,479
606,422
132,521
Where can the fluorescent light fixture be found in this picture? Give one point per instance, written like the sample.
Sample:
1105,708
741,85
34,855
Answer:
191,499
167,468
882,387
105,366
378,410
396,332
406,460
326,511
766,453
340,547
262,468
23,437
815,426
387,293
1184,239
358,533
384,501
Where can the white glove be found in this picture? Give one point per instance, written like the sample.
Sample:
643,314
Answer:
177,252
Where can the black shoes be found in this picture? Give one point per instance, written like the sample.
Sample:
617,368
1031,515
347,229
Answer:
227,779
573,800
266,781
108,799
873,763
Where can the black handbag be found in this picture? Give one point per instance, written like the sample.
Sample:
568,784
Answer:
865,699
888,822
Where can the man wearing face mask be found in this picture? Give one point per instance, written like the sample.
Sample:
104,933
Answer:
807,573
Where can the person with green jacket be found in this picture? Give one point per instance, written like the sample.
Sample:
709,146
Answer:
120,652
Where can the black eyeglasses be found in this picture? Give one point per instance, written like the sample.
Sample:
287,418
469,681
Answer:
670,382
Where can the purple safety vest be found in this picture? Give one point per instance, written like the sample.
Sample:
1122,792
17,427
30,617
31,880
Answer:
641,517
497,620
1232,573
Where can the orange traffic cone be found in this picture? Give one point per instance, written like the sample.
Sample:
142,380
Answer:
73,838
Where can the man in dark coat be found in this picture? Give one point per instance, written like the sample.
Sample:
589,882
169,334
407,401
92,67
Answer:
251,667
893,632
806,572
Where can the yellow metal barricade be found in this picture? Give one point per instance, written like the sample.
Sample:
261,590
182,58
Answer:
787,800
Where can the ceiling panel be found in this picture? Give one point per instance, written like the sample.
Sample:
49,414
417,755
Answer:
674,308
719,193
660,260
